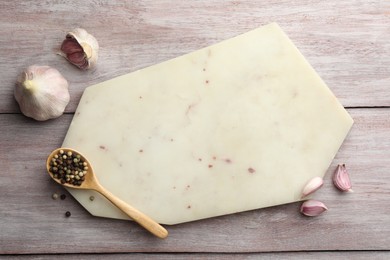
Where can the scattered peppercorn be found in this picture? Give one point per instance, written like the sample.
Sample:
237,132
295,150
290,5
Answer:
91,198
63,196
68,167
54,196
68,214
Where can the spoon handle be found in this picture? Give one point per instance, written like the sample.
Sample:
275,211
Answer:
139,217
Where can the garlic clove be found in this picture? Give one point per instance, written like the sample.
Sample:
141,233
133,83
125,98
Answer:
313,185
341,179
80,48
313,208
41,92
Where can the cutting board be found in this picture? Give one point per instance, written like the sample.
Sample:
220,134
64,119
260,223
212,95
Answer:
236,126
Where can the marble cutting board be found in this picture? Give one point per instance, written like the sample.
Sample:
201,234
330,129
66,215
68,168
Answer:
239,125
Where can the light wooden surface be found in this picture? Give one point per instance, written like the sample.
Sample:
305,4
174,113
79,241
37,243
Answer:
347,42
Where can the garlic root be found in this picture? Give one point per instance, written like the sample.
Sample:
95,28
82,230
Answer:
41,92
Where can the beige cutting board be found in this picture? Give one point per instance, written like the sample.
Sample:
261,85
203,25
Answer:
240,125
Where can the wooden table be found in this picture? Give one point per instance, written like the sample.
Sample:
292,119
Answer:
347,42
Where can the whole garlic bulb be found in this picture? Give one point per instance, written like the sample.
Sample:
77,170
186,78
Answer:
80,48
42,92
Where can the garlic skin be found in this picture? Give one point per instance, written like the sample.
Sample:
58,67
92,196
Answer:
341,179
80,48
313,208
42,92
313,185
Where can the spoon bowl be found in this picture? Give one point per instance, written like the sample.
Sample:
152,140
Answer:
90,182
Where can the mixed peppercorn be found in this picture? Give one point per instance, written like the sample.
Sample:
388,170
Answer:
68,167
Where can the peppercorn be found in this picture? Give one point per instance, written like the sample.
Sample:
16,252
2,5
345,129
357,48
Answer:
54,196
68,214
63,196
68,167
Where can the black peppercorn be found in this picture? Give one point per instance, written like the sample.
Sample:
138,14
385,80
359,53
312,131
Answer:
68,214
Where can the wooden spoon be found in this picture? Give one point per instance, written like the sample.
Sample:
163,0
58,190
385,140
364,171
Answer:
91,183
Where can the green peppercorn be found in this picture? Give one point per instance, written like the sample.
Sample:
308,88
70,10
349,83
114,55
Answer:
54,196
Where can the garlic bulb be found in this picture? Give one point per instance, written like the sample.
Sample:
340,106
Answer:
42,92
80,48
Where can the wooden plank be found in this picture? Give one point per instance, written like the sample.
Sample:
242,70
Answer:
356,255
32,222
347,42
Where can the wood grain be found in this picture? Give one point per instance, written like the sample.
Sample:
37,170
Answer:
32,222
347,42
356,255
